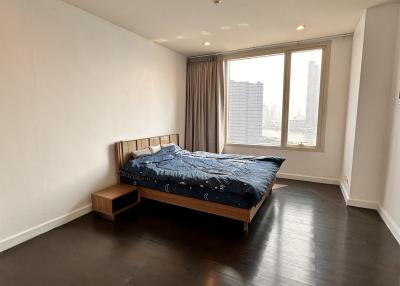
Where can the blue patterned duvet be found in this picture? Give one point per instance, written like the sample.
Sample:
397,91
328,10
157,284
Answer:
234,180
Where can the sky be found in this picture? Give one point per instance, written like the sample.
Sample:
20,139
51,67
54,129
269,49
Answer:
270,71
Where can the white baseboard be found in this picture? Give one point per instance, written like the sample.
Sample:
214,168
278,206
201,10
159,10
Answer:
345,192
363,204
391,224
322,180
387,219
356,202
63,219
42,228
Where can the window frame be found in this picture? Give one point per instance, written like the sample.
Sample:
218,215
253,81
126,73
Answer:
287,50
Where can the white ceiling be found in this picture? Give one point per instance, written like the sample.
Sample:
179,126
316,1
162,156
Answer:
234,24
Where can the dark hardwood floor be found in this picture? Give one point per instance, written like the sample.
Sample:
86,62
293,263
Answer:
303,235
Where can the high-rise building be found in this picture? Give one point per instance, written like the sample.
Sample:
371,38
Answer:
245,112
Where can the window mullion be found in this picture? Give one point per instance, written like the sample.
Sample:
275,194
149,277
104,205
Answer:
322,91
285,105
226,100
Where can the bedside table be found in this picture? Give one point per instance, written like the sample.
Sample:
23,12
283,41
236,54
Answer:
114,200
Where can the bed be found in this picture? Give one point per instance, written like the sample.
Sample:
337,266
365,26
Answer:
233,186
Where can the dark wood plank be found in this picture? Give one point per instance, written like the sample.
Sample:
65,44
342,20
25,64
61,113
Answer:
303,235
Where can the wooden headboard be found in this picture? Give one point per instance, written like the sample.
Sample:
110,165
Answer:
124,149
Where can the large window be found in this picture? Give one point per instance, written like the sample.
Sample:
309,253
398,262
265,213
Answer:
275,99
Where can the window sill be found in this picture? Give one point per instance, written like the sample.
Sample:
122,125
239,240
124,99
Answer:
289,148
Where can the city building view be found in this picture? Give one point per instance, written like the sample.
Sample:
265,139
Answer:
255,120
302,127
245,112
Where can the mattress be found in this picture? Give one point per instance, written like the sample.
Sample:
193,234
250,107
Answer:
235,180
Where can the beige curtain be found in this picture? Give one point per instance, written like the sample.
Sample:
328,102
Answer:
205,104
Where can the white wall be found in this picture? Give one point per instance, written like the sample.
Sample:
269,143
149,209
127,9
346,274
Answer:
373,104
390,199
71,85
323,166
372,153
369,139
352,102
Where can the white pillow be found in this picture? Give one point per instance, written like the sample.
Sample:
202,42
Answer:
155,149
166,145
141,152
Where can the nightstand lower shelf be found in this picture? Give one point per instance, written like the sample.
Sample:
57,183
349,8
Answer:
114,200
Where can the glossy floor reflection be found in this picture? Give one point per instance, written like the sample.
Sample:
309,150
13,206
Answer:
303,235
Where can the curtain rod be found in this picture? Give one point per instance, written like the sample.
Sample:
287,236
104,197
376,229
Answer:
275,45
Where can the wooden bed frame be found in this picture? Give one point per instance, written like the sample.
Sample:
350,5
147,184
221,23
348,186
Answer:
123,153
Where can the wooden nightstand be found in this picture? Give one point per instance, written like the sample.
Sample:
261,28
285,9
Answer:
116,199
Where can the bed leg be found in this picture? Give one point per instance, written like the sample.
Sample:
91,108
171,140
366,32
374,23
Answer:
245,226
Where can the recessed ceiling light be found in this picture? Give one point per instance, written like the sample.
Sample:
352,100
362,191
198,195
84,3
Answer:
225,28
160,40
216,2
179,37
206,43
205,33
242,25
300,28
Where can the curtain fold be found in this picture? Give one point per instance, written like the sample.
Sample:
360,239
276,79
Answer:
205,104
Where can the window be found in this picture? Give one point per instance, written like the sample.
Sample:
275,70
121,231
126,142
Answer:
274,99
305,78
255,100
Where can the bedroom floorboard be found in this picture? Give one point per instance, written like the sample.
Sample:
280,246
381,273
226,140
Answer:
303,235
